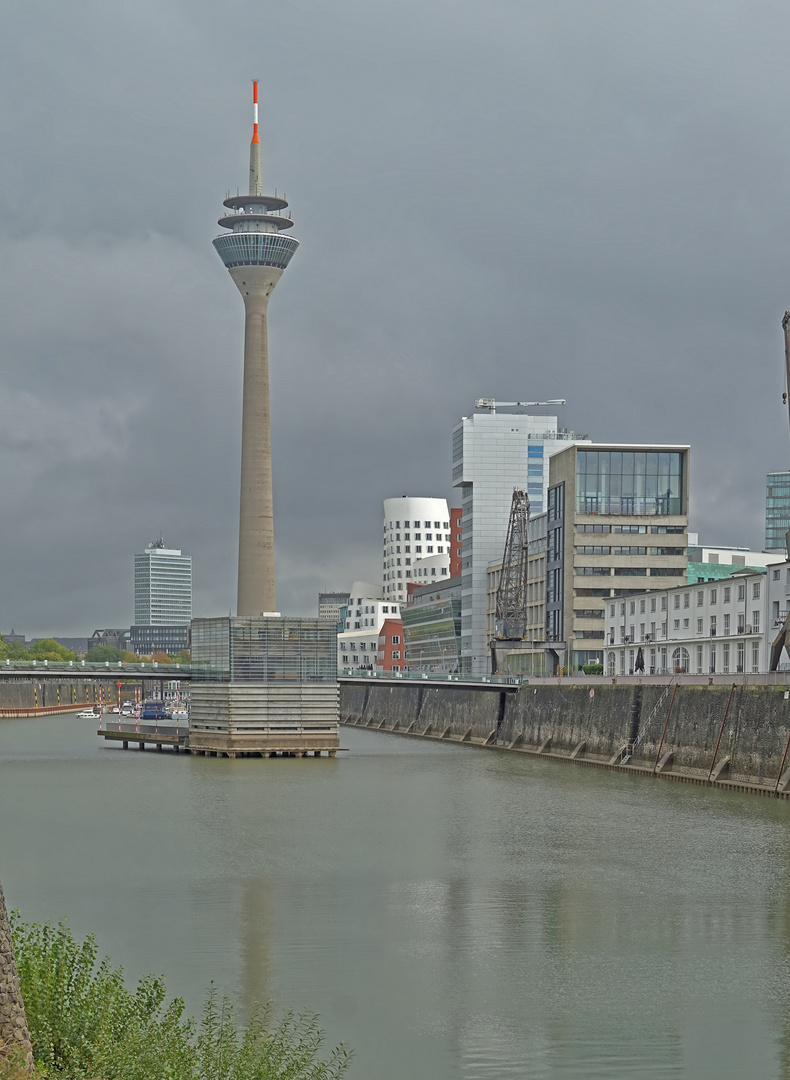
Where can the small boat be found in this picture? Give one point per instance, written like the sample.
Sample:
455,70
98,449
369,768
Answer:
89,714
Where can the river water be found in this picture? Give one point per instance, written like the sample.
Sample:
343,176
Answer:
449,912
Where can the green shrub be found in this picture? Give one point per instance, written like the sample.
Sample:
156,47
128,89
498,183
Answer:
84,1023
592,669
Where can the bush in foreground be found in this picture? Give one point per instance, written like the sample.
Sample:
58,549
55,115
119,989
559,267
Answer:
85,1023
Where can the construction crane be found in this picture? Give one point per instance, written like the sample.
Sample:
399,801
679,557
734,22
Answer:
511,596
491,403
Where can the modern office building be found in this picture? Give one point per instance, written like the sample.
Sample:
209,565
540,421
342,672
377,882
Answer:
256,252
332,605
777,510
147,640
432,627
495,451
617,527
162,586
417,543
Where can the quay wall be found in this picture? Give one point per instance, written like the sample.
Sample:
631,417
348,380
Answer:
47,693
594,721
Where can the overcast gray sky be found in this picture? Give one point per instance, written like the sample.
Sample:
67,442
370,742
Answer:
507,199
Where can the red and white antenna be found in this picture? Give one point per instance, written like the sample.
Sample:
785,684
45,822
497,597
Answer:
255,146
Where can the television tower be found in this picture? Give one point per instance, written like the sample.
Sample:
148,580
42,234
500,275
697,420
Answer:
256,253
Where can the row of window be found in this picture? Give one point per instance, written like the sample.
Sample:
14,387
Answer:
713,595
630,571
416,525
681,662
606,549
418,536
417,550
634,529
390,575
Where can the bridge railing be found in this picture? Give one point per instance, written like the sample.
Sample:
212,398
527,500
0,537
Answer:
433,676
150,668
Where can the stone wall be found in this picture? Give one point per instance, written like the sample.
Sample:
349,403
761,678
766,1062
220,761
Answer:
601,719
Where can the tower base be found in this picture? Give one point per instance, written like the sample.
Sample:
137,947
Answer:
264,719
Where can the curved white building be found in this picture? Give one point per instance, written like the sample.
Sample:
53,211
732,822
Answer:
417,543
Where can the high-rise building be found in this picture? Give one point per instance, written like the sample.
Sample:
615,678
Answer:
777,510
162,586
417,543
617,527
256,253
495,451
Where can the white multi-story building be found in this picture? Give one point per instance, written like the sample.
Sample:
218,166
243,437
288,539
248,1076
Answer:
493,453
723,626
162,586
417,544
358,643
726,555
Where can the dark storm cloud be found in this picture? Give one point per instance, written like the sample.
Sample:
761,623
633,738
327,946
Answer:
511,199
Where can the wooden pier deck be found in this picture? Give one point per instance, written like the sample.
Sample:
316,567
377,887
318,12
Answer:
159,736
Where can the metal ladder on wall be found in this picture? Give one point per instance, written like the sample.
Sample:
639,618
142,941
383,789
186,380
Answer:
628,750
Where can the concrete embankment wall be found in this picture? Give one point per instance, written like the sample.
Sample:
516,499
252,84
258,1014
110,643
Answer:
46,694
595,722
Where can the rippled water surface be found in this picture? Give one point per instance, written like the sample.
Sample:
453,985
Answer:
449,912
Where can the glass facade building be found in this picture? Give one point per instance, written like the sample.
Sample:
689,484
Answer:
777,510
642,483
264,649
432,629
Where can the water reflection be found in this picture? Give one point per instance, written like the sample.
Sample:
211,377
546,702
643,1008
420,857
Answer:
449,913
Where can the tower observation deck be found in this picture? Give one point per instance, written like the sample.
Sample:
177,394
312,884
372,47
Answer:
255,251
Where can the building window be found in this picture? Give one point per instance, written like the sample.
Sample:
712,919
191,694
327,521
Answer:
396,654
700,598
699,659
756,590
699,626
396,639
676,603
727,592
755,656
686,599
755,624
727,623
676,624
725,657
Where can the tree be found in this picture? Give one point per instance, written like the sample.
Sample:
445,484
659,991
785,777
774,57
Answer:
14,1033
85,1022
162,658
99,653
184,657
49,649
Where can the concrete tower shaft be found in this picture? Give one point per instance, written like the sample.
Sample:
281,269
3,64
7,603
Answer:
255,253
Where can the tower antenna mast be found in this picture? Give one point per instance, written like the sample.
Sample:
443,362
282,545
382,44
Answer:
256,182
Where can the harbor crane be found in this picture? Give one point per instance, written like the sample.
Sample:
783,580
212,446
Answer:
511,595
